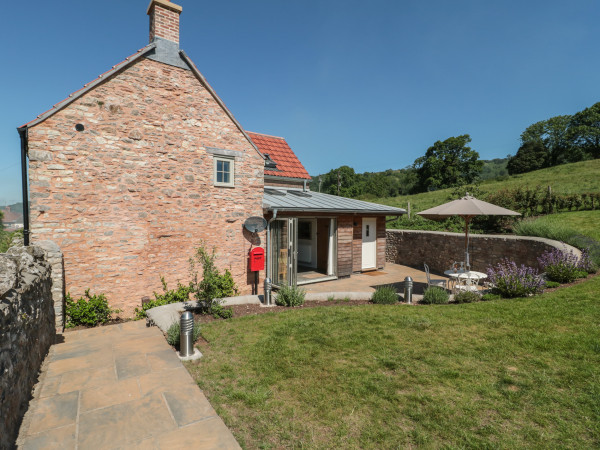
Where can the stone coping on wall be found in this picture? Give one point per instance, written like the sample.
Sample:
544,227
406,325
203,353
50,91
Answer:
439,249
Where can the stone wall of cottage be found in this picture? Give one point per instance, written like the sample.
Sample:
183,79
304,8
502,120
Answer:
129,198
26,331
439,250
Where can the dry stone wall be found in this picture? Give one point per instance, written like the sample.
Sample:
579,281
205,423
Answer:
26,331
439,250
130,197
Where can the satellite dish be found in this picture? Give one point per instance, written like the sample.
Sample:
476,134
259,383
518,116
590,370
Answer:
255,224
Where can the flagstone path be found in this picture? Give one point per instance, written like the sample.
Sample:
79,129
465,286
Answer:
116,387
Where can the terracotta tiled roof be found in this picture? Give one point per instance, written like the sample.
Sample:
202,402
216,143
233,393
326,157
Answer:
288,164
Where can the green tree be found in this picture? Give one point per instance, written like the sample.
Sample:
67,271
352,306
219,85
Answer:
530,156
534,133
447,164
558,140
347,180
585,130
555,135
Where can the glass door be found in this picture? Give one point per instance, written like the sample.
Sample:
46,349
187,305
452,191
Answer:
283,249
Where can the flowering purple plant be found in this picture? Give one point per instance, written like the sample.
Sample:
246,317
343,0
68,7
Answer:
563,266
513,281
585,261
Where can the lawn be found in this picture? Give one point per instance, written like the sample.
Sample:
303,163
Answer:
507,373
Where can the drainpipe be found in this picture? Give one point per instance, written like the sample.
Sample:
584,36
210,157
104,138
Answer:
304,188
268,245
24,184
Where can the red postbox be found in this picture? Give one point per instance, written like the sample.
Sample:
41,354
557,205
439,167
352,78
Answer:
257,259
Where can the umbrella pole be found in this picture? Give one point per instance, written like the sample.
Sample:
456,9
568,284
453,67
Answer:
467,220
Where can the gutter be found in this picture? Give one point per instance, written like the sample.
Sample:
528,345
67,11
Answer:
24,134
282,178
339,211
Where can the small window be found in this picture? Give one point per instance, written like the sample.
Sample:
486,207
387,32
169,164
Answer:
224,172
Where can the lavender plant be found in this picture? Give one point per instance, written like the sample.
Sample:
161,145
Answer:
563,267
586,262
513,281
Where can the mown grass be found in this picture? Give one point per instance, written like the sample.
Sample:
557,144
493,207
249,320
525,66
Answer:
574,178
499,374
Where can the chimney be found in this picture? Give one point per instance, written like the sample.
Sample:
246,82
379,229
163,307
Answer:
164,20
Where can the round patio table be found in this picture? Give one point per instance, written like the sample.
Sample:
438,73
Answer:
454,276
465,274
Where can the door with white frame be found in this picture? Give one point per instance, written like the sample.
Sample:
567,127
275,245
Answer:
369,243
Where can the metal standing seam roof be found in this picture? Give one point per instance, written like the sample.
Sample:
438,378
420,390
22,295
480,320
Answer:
298,200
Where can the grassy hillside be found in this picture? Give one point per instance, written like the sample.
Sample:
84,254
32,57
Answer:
582,222
572,178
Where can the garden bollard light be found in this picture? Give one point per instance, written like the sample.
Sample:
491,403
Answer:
408,290
186,340
267,291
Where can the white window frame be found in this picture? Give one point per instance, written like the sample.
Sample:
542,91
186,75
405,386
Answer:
231,162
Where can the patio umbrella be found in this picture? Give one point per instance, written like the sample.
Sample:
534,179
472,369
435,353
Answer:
466,207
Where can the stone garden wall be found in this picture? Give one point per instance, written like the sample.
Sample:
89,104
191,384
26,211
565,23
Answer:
27,329
439,250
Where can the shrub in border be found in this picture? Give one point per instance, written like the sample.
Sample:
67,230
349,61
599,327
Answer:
290,296
435,296
181,294
90,310
174,332
467,297
513,281
385,295
560,266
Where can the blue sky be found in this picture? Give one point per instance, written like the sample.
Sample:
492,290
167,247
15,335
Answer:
371,84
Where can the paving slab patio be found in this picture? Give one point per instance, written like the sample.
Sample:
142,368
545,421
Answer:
119,386
392,274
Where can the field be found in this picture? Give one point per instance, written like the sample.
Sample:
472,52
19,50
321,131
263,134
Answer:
501,374
565,179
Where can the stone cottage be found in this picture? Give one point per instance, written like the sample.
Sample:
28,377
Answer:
129,174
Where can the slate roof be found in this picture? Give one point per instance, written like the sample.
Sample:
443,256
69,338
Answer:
297,200
288,164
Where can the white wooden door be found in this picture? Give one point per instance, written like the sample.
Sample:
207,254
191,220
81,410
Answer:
369,243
